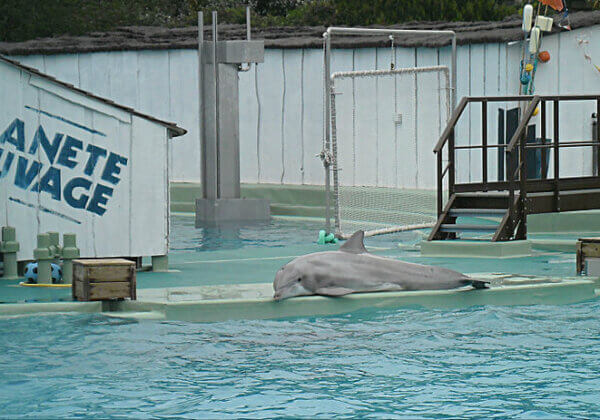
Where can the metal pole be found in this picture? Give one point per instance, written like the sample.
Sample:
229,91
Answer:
216,83
454,91
544,152
201,100
241,67
596,139
484,144
556,117
326,162
248,31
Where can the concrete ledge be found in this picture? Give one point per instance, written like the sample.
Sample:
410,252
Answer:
572,221
555,245
231,209
288,200
254,301
13,309
475,249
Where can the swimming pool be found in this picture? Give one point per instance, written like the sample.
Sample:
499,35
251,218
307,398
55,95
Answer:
539,361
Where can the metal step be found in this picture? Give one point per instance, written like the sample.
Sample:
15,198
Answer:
480,201
477,212
468,228
480,194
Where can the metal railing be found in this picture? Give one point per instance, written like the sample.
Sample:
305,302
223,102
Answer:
517,184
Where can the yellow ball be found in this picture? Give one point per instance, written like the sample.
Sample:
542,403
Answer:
529,67
537,111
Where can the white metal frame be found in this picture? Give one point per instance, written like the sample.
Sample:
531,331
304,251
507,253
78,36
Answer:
334,161
326,154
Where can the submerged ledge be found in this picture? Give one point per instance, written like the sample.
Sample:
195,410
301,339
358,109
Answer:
255,301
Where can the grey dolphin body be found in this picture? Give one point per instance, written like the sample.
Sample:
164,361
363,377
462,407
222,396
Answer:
352,269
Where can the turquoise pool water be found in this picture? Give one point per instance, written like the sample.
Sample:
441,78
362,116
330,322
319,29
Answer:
526,362
254,253
539,361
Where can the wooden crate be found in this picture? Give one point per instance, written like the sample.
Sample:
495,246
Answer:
103,279
586,248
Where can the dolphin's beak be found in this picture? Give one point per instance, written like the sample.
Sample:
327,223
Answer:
277,296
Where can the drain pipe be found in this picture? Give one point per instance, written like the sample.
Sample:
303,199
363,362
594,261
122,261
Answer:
69,252
9,248
43,256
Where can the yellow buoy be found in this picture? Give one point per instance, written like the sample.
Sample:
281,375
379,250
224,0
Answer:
537,111
528,67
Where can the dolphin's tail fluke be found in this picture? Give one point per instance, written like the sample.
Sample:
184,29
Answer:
480,284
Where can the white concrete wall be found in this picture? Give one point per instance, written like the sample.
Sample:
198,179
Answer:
59,186
281,104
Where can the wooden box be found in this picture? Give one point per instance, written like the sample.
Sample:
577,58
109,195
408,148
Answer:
586,248
103,279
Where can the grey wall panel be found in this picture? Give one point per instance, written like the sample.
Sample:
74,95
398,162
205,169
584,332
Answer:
291,117
270,92
249,125
313,116
183,105
477,88
463,86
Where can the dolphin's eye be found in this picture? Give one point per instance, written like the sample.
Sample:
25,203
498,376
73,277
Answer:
299,279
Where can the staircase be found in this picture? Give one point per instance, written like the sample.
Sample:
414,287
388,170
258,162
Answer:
489,207
497,210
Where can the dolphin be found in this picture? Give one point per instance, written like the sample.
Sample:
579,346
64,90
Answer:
352,269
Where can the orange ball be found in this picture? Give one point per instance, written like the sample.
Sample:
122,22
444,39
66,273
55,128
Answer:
544,56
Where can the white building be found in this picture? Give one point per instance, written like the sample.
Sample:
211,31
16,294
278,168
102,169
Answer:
73,162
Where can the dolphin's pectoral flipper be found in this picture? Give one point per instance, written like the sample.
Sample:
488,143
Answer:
333,291
480,284
355,244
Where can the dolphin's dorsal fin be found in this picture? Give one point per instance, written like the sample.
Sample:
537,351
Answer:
355,244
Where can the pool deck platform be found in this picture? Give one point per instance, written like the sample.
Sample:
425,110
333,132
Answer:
254,301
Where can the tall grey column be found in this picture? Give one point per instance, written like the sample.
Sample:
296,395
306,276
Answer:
220,62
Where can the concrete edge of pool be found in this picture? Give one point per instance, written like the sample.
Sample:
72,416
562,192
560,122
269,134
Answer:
254,301
204,303
16,309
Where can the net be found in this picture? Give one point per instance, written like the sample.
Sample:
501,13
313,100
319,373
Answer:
385,124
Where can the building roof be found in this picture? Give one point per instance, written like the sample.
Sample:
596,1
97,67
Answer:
174,130
158,38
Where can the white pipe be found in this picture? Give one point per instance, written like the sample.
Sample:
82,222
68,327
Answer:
381,31
365,73
372,31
